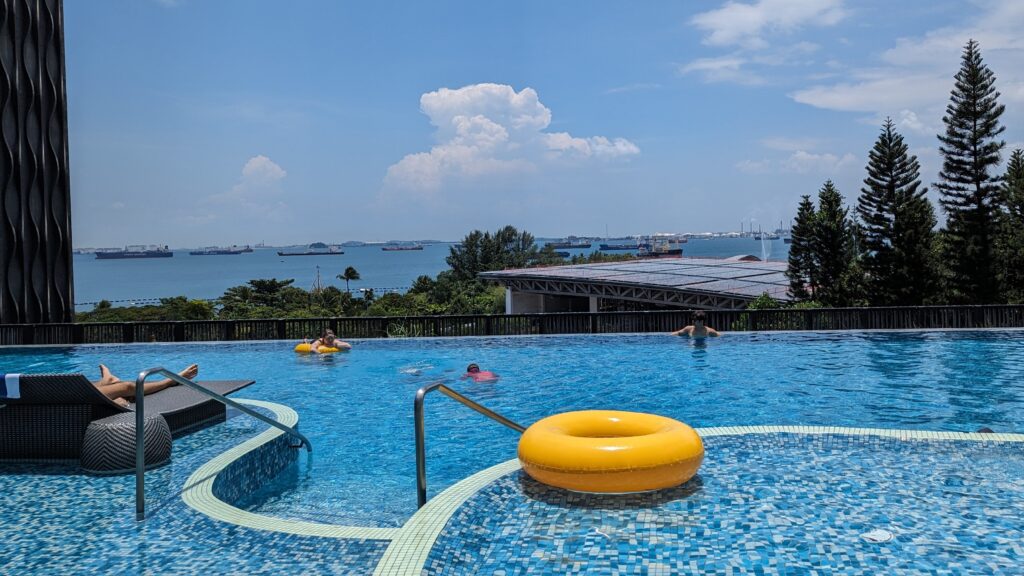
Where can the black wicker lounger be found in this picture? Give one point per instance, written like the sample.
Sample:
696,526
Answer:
50,414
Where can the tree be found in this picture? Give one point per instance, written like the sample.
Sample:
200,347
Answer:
897,221
1011,231
482,251
834,275
801,252
349,274
968,184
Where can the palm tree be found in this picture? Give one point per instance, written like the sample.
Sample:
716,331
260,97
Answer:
350,274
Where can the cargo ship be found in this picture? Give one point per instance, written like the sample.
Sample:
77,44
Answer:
217,251
401,247
613,247
315,249
134,252
572,242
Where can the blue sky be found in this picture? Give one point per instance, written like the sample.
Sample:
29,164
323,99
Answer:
196,122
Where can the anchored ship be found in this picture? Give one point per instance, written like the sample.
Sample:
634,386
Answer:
218,251
401,247
134,252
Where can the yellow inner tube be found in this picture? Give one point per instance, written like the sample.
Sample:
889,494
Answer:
307,349
610,451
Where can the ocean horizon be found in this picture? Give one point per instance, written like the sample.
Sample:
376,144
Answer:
141,281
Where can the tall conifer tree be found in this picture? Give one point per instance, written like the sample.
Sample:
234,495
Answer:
1011,231
801,252
968,182
835,252
897,222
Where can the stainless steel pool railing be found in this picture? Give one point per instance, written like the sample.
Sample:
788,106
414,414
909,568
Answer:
140,421
421,441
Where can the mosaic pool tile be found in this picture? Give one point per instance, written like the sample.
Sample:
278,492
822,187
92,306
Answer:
56,520
763,504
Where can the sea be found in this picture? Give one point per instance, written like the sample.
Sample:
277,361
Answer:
142,281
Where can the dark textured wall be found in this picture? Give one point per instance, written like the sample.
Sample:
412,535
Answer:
35,212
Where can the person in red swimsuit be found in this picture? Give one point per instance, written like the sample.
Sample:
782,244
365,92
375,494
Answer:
474,373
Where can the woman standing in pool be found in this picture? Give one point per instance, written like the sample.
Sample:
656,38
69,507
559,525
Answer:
697,329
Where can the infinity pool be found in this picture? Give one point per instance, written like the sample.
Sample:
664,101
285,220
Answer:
357,407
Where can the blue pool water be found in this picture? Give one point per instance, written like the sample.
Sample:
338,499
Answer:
357,408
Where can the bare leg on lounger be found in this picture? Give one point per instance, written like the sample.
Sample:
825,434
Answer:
121,390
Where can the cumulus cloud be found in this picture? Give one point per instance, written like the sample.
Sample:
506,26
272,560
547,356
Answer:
490,129
747,25
256,194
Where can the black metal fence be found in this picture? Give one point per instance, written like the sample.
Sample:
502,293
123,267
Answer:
515,324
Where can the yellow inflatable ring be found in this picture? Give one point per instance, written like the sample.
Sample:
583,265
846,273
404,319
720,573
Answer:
307,349
610,451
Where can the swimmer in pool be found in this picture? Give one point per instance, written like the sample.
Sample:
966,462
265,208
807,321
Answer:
474,373
329,340
697,329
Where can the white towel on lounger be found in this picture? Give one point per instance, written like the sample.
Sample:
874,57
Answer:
10,387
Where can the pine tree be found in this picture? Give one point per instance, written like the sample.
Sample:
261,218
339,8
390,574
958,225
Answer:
801,252
835,273
968,183
897,221
1011,231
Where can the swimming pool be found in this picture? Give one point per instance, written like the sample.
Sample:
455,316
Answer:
356,408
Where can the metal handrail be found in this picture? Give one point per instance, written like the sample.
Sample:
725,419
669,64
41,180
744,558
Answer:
140,426
421,441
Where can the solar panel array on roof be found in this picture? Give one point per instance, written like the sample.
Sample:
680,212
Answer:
731,277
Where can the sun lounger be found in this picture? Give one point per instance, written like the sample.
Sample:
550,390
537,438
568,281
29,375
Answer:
46,416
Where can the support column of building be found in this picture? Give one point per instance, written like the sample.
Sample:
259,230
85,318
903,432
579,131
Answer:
35,198
595,304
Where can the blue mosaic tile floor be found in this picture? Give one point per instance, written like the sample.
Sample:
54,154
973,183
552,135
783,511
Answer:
763,504
54,520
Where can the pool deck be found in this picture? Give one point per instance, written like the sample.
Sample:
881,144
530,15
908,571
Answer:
500,521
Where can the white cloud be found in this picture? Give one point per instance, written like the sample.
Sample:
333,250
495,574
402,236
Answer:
118,206
916,75
260,170
788,144
490,129
800,162
746,28
803,162
257,195
722,69
746,25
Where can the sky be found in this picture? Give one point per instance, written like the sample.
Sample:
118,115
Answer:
218,122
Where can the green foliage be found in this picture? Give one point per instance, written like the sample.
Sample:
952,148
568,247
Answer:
968,182
836,275
1011,231
764,302
349,274
802,265
176,308
897,221
483,252
599,257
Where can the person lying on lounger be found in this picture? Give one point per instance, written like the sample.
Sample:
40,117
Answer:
120,391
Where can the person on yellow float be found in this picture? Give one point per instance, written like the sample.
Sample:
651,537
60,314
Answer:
326,343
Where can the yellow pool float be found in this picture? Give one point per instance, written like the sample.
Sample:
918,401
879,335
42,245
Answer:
308,349
610,451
